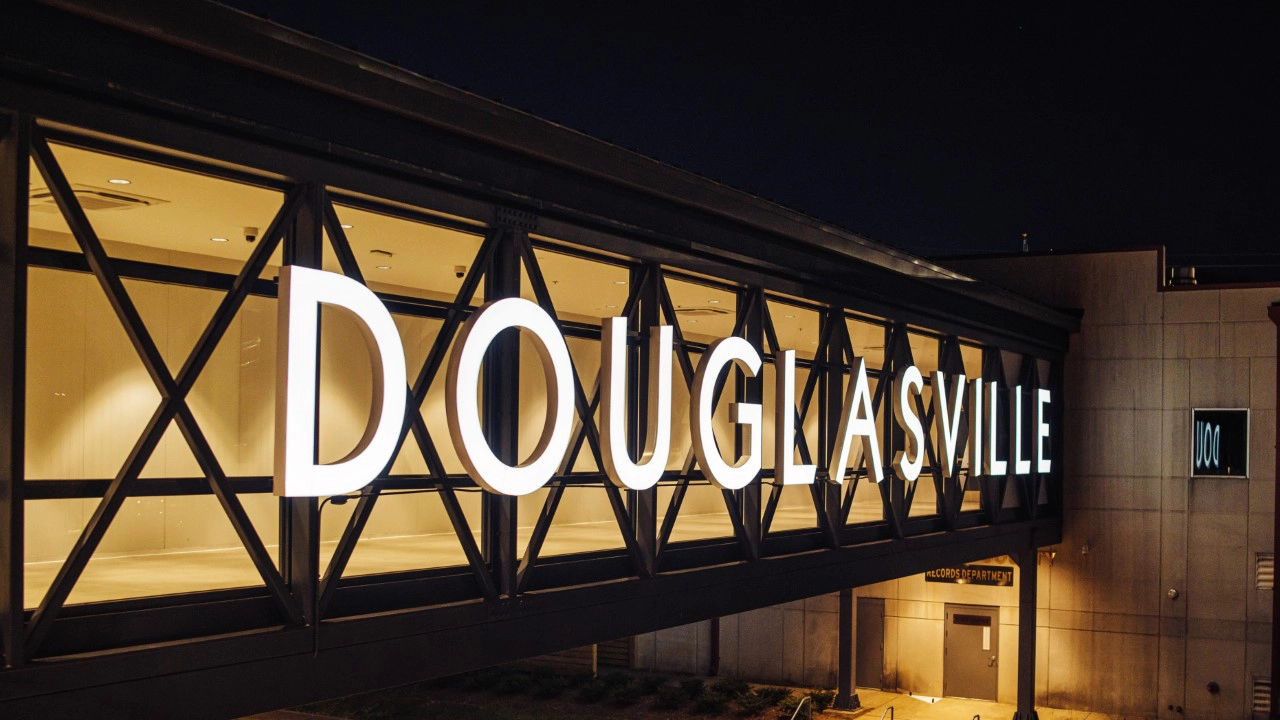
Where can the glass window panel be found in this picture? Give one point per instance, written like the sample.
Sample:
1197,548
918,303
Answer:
163,215
706,313
582,290
408,258
797,328
868,342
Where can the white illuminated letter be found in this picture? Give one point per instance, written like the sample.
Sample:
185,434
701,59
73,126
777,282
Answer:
857,419
977,464
1042,431
618,466
995,466
1021,465
946,420
462,402
702,396
297,474
909,382
784,424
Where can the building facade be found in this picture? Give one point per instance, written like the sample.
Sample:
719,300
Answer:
1158,600
164,176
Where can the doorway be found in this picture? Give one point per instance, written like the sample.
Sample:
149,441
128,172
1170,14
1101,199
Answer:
971,652
870,660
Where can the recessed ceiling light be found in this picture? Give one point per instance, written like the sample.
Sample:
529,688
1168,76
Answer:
610,307
384,267
619,282
119,181
789,317
694,321
714,302
218,239
345,226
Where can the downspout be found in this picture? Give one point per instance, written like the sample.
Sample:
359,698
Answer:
1274,313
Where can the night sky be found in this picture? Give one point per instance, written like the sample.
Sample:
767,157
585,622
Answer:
939,129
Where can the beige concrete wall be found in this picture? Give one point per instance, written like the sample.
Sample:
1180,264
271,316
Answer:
1144,358
1109,639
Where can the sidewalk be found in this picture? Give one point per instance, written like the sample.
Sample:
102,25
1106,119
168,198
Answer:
875,703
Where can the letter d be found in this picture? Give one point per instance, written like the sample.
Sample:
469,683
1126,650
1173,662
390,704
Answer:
297,474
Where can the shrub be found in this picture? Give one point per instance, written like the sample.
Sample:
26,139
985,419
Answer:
711,703
625,696
616,681
650,684
549,686
787,707
692,687
482,679
593,692
773,695
731,687
670,697
513,684
822,699
753,703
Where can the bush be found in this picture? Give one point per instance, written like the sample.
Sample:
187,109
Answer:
650,684
731,687
692,687
593,692
549,687
711,703
482,679
822,699
753,703
616,681
513,684
670,697
774,695
625,696
787,707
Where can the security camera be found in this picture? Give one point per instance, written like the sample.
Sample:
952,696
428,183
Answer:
251,234
459,271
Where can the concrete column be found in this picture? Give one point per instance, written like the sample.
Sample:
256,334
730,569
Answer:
1027,564
846,695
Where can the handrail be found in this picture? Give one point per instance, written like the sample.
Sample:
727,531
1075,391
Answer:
887,711
800,706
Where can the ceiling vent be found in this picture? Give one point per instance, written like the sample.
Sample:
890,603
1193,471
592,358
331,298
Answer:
1265,563
1261,696
93,198
701,311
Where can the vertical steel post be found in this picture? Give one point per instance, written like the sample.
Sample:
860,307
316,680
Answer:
1274,313
846,696
644,503
1027,579
750,390
15,139
300,517
834,401
500,395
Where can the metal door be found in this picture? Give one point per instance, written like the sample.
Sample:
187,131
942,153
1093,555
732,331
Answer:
870,660
971,650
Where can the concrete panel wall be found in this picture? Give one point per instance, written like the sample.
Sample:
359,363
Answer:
1110,638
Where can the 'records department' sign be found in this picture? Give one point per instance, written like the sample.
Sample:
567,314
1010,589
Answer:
297,474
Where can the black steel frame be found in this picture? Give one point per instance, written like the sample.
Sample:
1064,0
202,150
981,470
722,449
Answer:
310,632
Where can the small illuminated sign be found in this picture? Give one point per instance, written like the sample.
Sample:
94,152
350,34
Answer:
1220,442
972,575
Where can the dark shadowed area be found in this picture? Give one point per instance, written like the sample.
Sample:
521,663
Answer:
938,129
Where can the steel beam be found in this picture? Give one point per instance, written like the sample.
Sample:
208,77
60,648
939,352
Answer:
501,401
15,141
846,695
1028,566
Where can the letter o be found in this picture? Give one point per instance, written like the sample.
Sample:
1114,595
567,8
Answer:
461,397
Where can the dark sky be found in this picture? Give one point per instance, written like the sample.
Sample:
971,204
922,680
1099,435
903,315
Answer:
936,128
